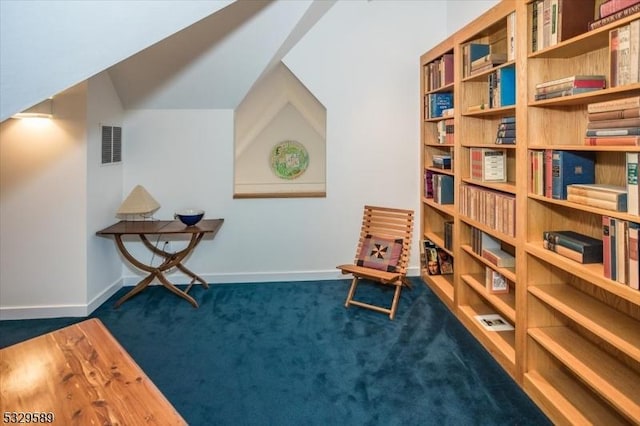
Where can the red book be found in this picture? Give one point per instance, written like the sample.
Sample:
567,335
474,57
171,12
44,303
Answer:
613,141
612,6
548,175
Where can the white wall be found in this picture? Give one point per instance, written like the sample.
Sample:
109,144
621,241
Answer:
43,215
461,12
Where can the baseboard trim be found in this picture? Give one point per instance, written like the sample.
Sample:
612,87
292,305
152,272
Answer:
61,311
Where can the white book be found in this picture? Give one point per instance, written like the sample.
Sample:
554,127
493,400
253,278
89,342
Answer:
633,191
511,36
634,51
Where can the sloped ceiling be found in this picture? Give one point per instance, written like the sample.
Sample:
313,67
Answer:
213,63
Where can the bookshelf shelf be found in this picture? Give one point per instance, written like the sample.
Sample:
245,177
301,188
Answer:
576,345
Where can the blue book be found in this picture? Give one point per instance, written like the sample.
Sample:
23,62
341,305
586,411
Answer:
478,50
507,86
568,167
438,102
443,189
510,119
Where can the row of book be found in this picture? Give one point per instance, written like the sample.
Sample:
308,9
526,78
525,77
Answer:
502,87
614,10
624,54
617,249
439,73
493,50
445,131
556,20
437,261
506,134
438,187
569,86
436,103
495,209
553,170
614,122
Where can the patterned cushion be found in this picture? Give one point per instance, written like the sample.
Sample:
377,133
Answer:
380,253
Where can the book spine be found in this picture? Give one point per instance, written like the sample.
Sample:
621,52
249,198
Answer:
564,251
566,92
569,80
576,84
613,105
620,205
634,256
610,7
613,141
620,114
633,191
614,17
607,124
606,247
623,131
594,193
574,244
622,255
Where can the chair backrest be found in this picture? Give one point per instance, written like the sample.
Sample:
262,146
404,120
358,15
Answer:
389,223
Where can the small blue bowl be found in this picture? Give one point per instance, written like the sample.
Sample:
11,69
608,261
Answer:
189,216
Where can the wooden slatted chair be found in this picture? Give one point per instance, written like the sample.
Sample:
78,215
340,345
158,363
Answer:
383,254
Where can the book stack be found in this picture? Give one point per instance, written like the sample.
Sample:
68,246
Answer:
573,245
442,188
493,250
488,164
445,131
613,10
435,103
614,122
472,52
569,86
439,72
604,196
506,134
502,87
620,251
442,161
487,62
624,54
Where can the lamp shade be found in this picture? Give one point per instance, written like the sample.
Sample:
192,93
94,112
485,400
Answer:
138,202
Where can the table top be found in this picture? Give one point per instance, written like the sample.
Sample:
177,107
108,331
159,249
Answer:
81,375
137,227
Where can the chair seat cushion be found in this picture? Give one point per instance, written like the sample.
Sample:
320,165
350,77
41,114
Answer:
380,253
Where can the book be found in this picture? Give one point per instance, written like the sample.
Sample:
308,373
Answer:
442,189
511,36
505,141
620,205
634,256
622,254
599,83
445,262
614,105
569,167
488,165
507,86
495,282
428,183
493,322
600,191
606,246
575,246
491,58
442,161
632,186
438,102
471,52
622,122
614,17
499,257
624,59
431,258
614,131
565,92
612,6
618,114
613,140
569,79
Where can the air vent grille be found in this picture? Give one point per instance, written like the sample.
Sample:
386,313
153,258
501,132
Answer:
111,144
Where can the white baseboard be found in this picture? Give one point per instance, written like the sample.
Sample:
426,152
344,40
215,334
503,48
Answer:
60,311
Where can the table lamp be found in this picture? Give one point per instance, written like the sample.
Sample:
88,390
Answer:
139,205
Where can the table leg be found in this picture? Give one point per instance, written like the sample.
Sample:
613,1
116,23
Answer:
168,285
137,289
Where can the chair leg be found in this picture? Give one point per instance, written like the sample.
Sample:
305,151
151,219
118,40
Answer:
352,291
394,303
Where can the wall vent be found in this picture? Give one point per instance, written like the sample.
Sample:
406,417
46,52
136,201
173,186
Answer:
111,144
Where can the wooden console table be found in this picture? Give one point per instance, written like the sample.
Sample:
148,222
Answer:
79,375
171,260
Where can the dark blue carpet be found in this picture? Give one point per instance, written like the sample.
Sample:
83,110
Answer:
291,354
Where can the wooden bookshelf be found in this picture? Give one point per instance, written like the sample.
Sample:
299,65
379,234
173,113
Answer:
575,348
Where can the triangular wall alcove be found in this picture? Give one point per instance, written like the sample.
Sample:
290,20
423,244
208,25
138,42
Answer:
279,108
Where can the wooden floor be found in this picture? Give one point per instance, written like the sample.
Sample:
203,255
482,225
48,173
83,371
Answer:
79,375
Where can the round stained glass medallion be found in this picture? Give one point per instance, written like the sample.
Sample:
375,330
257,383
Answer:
289,159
